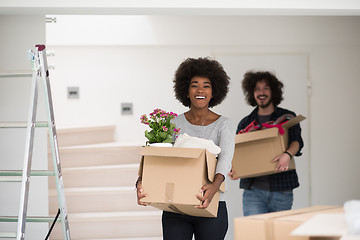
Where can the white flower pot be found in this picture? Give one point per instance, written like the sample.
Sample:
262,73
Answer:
160,144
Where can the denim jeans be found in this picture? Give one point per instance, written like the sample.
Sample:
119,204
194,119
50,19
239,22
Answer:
257,201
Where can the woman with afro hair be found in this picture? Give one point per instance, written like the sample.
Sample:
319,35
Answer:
201,84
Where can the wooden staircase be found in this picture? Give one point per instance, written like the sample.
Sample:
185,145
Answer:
99,177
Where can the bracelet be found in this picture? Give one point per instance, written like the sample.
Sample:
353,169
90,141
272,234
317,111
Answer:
288,154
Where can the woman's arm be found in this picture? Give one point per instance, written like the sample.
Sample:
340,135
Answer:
227,144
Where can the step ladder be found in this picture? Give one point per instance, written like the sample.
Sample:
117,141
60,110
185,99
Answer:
40,73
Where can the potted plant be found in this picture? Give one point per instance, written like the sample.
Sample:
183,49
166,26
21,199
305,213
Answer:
162,129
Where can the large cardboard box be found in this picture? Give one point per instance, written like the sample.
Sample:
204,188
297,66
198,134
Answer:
255,150
283,227
172,177
261,226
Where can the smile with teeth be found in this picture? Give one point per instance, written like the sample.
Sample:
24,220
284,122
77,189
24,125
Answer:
200,97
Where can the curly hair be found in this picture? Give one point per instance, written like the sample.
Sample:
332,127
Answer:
249,84
201,67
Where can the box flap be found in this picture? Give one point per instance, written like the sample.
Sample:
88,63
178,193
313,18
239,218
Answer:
172,152
323,224
293,121
256,135
140,171
211,165
211,161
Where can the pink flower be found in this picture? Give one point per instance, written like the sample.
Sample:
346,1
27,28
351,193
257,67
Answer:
159,122
177,131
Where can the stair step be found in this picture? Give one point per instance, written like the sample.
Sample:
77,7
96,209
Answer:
97,199
85,135
99,176
112,225
98,155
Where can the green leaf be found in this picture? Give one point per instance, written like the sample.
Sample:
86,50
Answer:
163,135
150,135
168,139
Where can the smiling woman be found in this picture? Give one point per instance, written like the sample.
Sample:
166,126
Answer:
200,84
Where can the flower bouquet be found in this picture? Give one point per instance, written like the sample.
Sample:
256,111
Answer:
162,129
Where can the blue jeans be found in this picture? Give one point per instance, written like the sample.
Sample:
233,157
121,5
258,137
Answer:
257,201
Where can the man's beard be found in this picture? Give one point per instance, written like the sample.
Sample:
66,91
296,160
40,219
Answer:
265,105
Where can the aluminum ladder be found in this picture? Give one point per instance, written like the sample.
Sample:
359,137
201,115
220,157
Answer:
40,73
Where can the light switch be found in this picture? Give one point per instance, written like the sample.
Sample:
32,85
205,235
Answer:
126,108
73,92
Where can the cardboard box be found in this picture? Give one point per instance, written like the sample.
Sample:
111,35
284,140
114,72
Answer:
172,177
261,226
255,150
284,226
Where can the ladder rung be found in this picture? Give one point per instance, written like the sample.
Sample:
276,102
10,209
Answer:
16,173
7,234
14,75
28,219
22,124
10,178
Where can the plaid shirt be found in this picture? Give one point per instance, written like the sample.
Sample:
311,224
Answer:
283,181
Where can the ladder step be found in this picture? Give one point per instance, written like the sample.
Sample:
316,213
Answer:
22,124
15,74
7,235
7,173
28,219
10,178
16,175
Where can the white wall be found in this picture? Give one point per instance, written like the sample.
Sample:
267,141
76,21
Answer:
332,44
125,65
18,34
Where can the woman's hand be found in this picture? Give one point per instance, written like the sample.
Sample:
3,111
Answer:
140,194
208,191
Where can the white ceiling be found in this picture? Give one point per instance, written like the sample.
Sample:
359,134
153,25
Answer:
181,7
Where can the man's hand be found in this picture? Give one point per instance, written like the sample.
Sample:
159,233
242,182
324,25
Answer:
283,162
231,175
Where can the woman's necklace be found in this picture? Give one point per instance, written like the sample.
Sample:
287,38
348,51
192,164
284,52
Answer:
202,123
